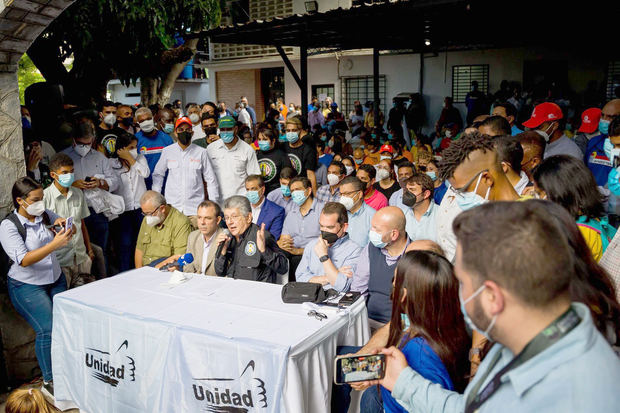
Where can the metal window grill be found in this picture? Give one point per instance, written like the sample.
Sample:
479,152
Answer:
327,90
361,88
613,78
463,75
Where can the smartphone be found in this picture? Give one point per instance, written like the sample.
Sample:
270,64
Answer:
88,179
69,224
350,369
349,298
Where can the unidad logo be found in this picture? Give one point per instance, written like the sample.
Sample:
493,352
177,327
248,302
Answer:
231,395
111,368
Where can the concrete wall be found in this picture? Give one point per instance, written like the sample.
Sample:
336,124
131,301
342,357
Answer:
187,91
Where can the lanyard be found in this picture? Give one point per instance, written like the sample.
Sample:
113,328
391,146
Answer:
546,338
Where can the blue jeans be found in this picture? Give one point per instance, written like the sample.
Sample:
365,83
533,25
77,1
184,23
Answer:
34,303
341,394
98,229
125,230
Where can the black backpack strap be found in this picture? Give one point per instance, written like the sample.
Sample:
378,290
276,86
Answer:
20,228
46,219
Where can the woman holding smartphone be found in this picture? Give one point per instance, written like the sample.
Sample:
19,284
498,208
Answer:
427,324
29,236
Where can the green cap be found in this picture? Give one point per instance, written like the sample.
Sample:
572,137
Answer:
227,122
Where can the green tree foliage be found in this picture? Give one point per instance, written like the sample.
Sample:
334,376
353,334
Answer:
27,74
120,39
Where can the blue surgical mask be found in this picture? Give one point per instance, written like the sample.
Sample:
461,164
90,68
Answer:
299,197
613,181
227,136
282,138
66,180
264,145
169,128
405,320
252,196
432,175
286,191
470,200
607,147
323,138
292,137
375,239
469,321
603,126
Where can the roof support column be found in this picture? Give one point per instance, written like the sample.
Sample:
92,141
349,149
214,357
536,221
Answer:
375,84
303,61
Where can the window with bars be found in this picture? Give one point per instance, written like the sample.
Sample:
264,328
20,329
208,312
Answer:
463,75
320,90
613,79
361,88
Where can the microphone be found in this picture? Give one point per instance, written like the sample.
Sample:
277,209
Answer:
218,252
183,260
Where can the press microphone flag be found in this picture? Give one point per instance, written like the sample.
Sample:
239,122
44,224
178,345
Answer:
183,260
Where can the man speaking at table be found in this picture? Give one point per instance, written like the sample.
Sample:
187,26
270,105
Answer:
330,259
249,252
163,232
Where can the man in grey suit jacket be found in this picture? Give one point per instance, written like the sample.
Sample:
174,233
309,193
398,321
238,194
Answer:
202,243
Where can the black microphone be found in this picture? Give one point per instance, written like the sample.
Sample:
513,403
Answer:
218,252
183,260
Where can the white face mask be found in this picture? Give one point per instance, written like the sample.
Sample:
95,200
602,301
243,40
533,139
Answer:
194,118
332,179
152,220
349,169
147,126
35,209
109,119
545,134
82,150
134,153
348,202
382,174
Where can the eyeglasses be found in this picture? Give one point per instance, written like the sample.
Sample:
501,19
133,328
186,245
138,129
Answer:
349,194
462,190
317,315
232,218
146,214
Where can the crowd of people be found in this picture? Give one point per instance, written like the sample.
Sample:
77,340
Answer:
486,252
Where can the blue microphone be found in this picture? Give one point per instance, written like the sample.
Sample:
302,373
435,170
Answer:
183,260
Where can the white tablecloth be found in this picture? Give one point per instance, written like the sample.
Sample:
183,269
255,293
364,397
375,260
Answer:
131,343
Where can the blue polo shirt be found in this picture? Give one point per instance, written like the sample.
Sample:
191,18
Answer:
596,160
151,147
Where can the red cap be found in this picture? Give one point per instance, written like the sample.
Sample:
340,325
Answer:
387,148
182,120
589,120
542,113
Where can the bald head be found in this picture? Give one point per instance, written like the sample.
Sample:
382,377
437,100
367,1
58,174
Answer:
611,110
425,245
390,218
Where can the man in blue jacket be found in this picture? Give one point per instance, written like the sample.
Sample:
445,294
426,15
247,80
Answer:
595,156
263,210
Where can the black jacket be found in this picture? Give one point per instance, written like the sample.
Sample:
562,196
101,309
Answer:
244,261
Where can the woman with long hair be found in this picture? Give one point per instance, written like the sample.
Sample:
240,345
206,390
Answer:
427,324
28,401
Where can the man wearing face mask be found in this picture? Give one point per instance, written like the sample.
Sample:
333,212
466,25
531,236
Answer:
596,155
421,215
331,259
233,160
510,155
125,119
360,214
374,198
151,141
405,171
92,171
301,224
377,261
533,151
548,121
331,192
544,342
193,113
209,126
303,156
263,210
191,179
472,169
163,233
164,121
107,124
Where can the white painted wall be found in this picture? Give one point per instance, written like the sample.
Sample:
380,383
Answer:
197,92
324,5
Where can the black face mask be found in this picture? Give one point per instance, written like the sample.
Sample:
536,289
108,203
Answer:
210,131
127,122
409,199
184,137
330,237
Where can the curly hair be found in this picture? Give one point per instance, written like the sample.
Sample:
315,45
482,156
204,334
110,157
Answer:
459,151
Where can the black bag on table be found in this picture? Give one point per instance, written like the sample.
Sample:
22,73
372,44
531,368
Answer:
302,292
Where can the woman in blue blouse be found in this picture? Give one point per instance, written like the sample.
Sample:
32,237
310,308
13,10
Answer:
34,273
427,324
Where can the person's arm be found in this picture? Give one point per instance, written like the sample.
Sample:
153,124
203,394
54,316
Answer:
362,273
312,178
159,172
303,272
252,167
141,166
89,248
179,244
208,175
377,341
138,255
111,181
221,261
270,254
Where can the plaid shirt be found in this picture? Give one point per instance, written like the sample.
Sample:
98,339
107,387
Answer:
611,262
324,194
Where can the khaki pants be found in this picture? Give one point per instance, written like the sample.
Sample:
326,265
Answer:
73,271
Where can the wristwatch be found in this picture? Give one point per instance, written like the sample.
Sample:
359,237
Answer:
324,258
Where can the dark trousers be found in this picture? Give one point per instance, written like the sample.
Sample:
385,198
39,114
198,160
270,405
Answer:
98,229
293,263
341,394
124,231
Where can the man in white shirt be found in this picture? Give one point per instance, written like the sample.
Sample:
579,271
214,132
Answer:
193,113
233,160
244,116
190,175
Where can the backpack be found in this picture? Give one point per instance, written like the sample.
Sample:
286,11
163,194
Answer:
5,261
601,226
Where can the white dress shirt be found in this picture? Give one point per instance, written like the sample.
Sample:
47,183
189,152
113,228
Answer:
448,210
205,252
245,118
187,170
132,185
232,166
256,211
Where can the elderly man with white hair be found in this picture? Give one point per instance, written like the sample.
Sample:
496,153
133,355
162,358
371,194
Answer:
247,252
163,232
151,141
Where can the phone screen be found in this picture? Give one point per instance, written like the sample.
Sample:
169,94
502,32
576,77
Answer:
359,368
